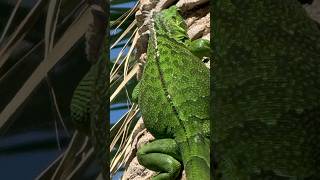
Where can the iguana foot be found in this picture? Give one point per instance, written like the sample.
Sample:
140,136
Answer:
163,156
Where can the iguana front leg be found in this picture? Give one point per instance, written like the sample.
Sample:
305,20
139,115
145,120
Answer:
200,47
162,156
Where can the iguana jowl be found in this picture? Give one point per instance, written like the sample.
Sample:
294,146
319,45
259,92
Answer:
266,113
173,96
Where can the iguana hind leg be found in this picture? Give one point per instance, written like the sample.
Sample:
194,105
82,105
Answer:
162,156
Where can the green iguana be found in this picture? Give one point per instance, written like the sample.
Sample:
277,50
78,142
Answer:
173,96
88,110
266,98
89,104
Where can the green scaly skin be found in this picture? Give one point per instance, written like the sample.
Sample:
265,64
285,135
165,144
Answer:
266,101
80,106
84,103
88,110
173,97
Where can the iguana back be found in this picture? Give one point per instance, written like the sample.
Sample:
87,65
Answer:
174,90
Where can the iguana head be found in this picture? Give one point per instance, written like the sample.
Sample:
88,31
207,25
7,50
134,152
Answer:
170,22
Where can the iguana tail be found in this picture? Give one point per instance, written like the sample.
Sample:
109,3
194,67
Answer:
196,158
88,110
80,103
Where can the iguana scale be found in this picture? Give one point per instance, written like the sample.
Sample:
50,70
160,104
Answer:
88,108
266,97
173,96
